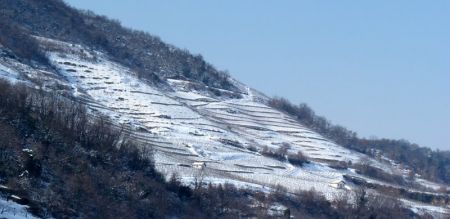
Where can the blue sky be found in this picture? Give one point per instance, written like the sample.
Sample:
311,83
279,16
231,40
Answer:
381,68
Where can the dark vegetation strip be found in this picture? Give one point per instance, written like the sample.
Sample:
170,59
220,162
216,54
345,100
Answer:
432,164
147,55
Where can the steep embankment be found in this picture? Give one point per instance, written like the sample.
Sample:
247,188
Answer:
240,140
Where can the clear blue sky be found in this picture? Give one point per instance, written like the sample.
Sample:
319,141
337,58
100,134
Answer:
381,68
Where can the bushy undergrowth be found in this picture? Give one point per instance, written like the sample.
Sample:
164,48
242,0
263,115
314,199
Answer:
282,154
21,44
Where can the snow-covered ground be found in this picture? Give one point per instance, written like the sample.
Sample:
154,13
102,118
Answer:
12,210
435,211
184,126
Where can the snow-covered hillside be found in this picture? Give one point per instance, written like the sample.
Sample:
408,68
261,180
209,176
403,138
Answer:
184,126
10,209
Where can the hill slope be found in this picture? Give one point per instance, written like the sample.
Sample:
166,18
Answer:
199,123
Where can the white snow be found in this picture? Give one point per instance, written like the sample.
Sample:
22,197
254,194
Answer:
10,209
186,126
